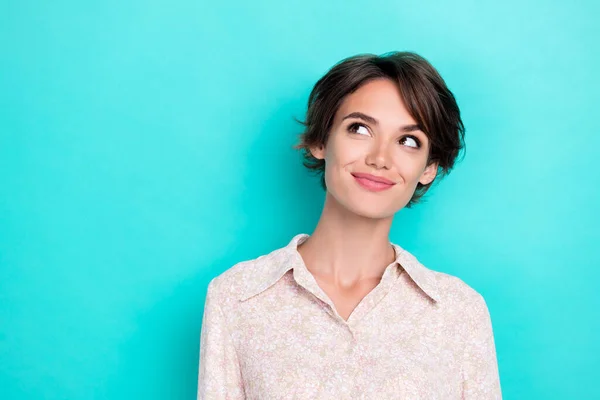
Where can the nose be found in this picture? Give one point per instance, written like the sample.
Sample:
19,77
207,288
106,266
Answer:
379,156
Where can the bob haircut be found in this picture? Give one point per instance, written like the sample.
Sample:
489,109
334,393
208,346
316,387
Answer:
424,93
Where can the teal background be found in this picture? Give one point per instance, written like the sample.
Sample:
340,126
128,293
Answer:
145,147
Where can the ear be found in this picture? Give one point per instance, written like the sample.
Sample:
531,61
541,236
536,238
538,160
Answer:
318,151
429,174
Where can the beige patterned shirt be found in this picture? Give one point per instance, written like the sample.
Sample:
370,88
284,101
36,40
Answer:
270,332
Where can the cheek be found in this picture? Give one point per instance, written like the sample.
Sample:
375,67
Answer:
410,168
345,152
334,155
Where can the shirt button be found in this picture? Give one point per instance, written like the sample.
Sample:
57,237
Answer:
350,348
352,343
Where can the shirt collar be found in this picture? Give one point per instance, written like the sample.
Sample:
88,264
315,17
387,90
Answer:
288,257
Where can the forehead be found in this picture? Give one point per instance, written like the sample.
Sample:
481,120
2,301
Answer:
379,98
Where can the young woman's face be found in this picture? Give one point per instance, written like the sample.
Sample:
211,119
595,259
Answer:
373,133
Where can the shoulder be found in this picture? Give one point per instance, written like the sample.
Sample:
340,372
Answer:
463,308
455,290
461,301
232,283
448,290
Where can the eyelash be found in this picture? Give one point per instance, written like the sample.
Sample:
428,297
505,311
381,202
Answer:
351,128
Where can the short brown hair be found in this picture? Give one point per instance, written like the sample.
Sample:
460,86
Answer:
423,91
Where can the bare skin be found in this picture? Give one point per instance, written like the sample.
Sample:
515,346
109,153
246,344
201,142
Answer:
346,287
349,249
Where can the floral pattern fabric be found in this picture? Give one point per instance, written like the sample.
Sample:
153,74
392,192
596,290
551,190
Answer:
270,332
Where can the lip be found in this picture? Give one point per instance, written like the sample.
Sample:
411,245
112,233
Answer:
372,182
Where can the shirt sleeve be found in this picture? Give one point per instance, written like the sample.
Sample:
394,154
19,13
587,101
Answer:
480,375
219,375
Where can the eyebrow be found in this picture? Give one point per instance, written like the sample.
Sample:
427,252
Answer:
371,120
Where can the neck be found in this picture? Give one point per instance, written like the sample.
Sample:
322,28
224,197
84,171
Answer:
346,248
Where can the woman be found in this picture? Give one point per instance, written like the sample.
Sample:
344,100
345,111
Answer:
344,313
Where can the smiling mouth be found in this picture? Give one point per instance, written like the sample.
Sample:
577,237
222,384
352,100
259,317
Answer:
371,185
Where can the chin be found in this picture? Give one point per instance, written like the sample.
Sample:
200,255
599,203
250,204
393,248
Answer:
367,209
374,214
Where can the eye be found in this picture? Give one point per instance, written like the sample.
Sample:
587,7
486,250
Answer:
356,128
411,141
